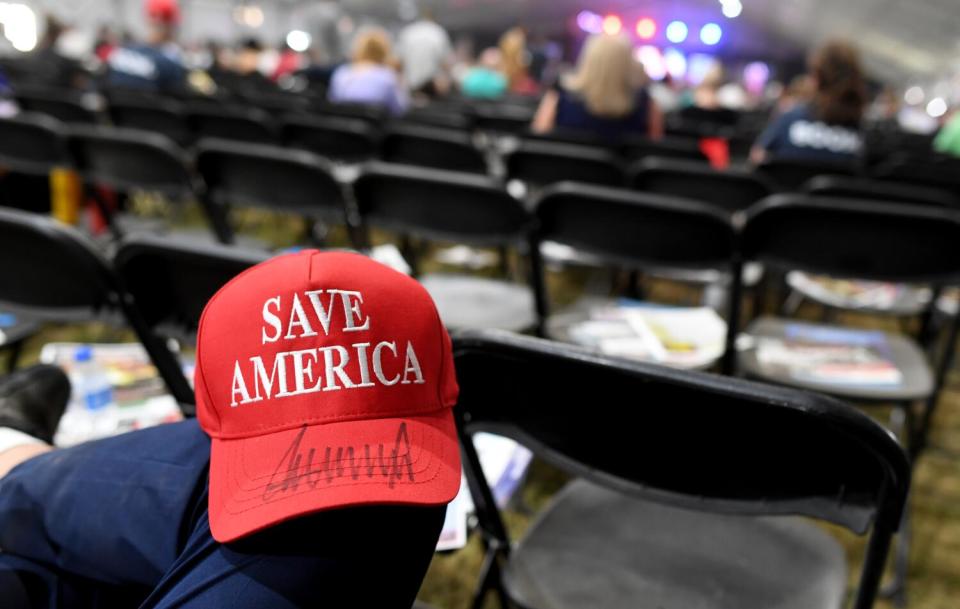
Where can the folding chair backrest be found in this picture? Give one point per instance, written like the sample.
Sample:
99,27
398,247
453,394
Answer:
635,229
439,204
62,104
927,170
52,272
867,189
448,118
128,159
159,116
171,281
790,174
33,144
51,269
225,121
540,162
502,117
269,177
693,440
855,238
729,190
667,147
432,147
338,138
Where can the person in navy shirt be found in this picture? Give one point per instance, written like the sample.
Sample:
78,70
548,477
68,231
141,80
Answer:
828,127
154,66
605,97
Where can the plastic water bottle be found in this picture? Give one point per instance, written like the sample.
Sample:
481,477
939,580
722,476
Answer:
91,412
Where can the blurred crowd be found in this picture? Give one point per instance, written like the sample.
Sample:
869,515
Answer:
606,92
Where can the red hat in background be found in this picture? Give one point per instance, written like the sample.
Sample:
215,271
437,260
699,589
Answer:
325,380
163,11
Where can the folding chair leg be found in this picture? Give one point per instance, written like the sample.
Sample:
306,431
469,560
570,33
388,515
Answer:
490,579
13,355
792,302
896,588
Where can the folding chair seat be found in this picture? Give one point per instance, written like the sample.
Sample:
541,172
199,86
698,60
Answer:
162,116
453,207
731,190
52,272
540,163
432,147
347,140
171,282
270,178
231,122
690,501
790,174
631,231
127,160
65,105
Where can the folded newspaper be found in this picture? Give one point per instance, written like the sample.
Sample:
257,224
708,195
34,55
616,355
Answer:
685,337
857,294
829,355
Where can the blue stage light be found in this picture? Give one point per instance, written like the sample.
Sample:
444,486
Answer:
676,31
710,34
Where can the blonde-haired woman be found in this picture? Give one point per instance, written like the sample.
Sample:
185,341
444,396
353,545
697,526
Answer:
605,95
369,77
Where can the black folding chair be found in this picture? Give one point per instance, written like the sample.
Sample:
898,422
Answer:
231,122
539,163
867,189
501,117
790,174
65,105
666,147
633,231
171,282
453,207
689,499
52,272
127,160
158,115
731,190
270,178
348,140
432,147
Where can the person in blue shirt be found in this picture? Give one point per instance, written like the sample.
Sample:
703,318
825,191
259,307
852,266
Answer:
154,66
828,127
605,97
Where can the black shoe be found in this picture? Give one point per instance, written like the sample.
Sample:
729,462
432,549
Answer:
33,399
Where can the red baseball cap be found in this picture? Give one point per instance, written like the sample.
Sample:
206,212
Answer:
163,11
324,380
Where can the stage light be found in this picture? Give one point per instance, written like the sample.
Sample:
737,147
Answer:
590,22
612,25
710,34
937,107
646,28
675,63
913,96
652,60
298,40
676,32
20,25
731,8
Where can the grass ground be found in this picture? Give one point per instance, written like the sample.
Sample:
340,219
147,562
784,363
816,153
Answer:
934,576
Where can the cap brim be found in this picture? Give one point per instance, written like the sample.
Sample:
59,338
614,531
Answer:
263,480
